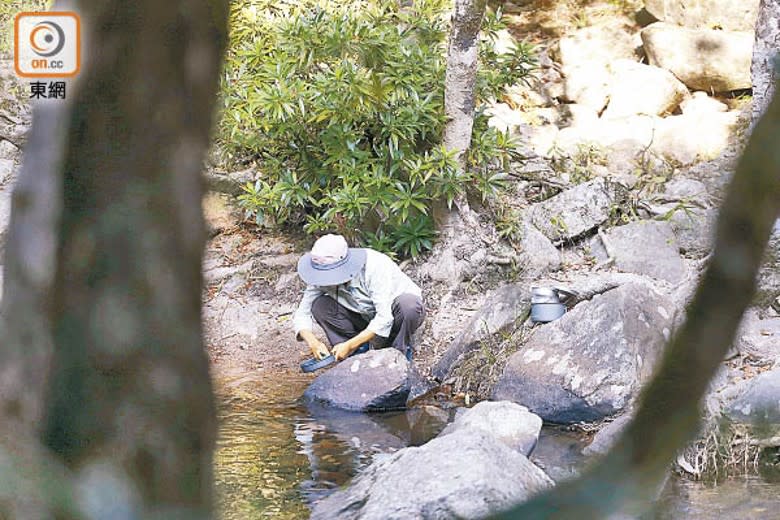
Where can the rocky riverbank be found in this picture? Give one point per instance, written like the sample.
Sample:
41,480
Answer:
624,151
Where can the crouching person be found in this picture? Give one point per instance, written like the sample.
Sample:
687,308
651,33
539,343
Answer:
355,295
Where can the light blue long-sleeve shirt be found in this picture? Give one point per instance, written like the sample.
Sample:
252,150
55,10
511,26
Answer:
371,294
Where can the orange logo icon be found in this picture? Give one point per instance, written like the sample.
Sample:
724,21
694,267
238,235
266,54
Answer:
47,45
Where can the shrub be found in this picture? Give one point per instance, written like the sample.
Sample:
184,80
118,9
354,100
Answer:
340,104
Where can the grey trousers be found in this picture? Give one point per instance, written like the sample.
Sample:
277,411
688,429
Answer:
341,324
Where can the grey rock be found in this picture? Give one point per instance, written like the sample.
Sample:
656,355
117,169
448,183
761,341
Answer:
590,363
226,317
694,230
636,88
587,85
680,140
8,151
648,248
601,45
509,422
286,281
759,335
607,436
703,59
585,55
505,306
230,183
682,189
419,385
768,283
376,380
538,255
731,15
6,170
759,402
218,274
467,474
575,211
764,52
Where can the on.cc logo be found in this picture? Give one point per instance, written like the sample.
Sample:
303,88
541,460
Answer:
47,44
47,39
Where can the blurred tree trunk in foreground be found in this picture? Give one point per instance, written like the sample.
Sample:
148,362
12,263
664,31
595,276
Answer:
128,405
627,477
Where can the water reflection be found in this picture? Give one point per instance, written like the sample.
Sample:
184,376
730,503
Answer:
748,498
276,456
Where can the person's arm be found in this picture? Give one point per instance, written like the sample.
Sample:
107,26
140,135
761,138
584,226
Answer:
303,323
344,349
318,349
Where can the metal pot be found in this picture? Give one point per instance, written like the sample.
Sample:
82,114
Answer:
546,304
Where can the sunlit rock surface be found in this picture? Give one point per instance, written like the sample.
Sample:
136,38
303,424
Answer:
591,362
467,474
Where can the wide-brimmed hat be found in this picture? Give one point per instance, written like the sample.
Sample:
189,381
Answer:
331,262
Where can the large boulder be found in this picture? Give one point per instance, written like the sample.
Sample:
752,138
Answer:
591,362
703,59
636,88
374,381
467,474
509,422
504,307
759,402
575,211
731,15
647,247
585,55
587,85
680,138
600,45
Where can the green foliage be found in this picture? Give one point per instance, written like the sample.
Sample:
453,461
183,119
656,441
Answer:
578,166
341,106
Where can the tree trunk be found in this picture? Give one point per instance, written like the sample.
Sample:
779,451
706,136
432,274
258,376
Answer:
765,49
30,257
459,103
668,414
461,75
103,266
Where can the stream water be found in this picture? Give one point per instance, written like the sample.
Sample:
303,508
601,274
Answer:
275,456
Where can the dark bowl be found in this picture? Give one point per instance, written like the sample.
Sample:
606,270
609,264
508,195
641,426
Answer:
310,365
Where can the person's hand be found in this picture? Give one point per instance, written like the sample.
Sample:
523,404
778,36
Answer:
341,351
319,349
